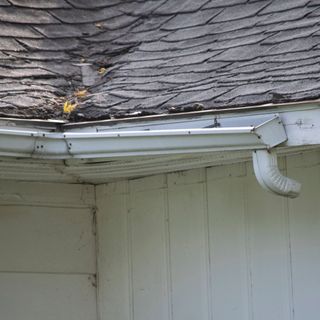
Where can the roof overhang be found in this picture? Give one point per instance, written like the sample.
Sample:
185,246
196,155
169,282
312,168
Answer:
109,150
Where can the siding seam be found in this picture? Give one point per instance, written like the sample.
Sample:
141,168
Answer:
129,248
289,253
209,263
168,253
96,236
248,251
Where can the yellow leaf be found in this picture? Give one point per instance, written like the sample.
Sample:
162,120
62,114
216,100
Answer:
68,107
102,70
81,93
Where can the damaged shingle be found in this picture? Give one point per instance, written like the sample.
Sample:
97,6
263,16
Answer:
155,56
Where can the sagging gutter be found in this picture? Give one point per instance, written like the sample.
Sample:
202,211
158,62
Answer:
121,144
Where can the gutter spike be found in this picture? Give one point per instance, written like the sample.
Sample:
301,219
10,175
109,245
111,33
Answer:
267,172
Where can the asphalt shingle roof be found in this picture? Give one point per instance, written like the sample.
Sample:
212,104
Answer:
155,56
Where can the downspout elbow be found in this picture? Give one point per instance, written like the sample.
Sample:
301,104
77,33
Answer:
267,172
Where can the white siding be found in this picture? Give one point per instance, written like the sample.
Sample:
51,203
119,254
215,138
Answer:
304,217
47,250
188,246
210,244
40,296
228,255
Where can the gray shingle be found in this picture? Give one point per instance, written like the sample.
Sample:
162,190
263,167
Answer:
148,36
144,9
50,45
153,23
297,56
207,67
245,53
39,56
85,4
289,35
200,18
297,45
25,16
306,70
313,3
247,90
180,6
284,16
23,73
21,101
41,4
315,13
241,11
4,3
293,64
17,31
120,22
156,56
54,31
77,16
278,6
8,44
222,3
187,98
190,33
293,25
190,59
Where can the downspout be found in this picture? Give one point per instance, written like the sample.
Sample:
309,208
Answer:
267,172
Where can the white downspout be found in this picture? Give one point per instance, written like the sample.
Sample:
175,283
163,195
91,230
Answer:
267,172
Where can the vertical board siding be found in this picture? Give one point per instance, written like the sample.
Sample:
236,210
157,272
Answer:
228,265
188,251
47,249
149,285
268,247
210,245
113,260
305,243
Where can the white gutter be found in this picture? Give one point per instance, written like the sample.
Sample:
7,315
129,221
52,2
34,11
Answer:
120,144
53,145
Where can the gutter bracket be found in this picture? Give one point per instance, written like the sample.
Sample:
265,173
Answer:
265,165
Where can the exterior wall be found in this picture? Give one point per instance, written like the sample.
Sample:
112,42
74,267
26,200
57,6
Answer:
47,250
210,244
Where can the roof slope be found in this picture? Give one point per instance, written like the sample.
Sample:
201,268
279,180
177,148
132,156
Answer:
155,56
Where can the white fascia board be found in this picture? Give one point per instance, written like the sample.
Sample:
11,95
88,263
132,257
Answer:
48,145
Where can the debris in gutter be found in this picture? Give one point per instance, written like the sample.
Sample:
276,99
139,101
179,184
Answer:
142,113
194,107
